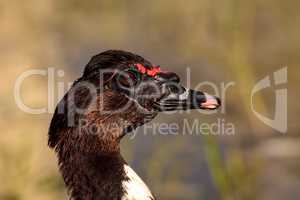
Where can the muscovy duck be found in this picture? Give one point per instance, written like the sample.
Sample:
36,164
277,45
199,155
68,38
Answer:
118,92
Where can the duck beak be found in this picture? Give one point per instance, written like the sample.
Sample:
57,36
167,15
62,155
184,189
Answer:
189,99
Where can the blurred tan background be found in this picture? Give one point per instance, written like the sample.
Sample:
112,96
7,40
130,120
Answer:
221,41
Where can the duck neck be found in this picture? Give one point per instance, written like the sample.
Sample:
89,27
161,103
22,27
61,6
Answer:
93,176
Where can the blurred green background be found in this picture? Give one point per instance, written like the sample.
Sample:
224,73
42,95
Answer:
221,41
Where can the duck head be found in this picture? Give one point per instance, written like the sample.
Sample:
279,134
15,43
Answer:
118,92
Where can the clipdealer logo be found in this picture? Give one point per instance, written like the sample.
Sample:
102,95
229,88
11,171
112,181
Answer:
279,122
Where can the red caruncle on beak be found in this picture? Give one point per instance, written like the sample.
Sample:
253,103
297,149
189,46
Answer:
153,72
150,72
141,68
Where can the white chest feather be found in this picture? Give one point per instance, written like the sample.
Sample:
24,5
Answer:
135,188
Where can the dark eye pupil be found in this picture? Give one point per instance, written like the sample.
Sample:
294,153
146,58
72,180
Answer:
129,78
135,76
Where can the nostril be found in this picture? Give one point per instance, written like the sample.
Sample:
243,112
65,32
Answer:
174,89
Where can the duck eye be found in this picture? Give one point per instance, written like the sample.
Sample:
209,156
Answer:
134,75
129,78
